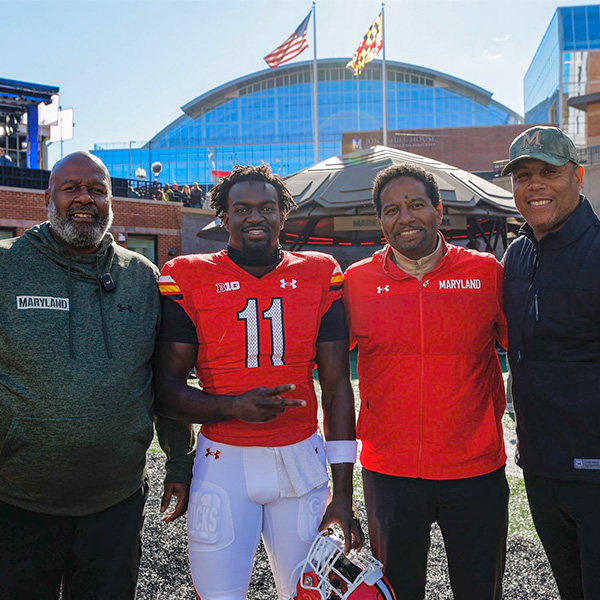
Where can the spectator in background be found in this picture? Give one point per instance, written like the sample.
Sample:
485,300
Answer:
196,196
167,193
176,196
186,195
5,159
160,196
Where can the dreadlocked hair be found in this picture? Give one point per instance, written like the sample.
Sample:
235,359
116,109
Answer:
219,194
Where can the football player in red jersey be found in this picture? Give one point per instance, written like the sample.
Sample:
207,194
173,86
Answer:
255,317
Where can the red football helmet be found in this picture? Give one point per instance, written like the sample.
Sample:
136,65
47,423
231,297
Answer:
328,574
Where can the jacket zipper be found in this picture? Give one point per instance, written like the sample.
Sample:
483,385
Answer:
522,350
422,285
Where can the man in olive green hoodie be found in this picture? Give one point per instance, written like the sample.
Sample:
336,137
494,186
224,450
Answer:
78,319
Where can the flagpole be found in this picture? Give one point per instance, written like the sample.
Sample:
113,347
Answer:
384,77
315,85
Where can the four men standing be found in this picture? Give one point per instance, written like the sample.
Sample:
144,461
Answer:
426,316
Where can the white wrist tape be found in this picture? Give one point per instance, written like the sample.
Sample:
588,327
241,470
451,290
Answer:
341,451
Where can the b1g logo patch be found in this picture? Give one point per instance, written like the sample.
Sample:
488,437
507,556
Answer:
42,302
228,286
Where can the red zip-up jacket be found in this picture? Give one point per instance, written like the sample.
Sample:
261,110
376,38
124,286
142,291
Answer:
432,394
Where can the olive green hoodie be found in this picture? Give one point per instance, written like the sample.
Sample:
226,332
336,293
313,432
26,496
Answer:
75,376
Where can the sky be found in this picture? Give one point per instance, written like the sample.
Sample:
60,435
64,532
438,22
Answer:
127,66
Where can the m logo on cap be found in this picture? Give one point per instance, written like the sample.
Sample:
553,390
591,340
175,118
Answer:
531,141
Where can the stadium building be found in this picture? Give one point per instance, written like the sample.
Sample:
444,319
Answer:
564,75
26,111
268,116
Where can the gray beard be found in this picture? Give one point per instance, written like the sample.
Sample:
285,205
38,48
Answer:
78,235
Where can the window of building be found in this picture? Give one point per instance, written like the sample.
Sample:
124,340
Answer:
144,244
6,233
272,117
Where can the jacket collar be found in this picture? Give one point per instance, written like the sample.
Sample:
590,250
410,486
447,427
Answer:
85,266
390,268
577,224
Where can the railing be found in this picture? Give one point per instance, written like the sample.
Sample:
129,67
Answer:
37,179
593,155
33,179
134,188
498,166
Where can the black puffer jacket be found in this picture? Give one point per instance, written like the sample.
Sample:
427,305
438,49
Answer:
552,302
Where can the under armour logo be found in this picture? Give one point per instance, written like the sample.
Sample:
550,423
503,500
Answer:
209,452
293,283
125,308
383,288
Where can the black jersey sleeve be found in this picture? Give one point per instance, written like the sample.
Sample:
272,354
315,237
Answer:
176,326
333,324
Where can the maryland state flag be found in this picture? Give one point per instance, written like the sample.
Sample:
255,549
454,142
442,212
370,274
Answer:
370,45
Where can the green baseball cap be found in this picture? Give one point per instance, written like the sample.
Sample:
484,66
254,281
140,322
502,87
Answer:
548,144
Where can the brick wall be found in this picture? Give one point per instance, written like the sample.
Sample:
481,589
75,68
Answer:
20,209
473,149
192,221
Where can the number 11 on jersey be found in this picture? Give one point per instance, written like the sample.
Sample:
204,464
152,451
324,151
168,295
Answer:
274,314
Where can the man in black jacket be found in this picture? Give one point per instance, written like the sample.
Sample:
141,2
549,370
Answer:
552,296
177,195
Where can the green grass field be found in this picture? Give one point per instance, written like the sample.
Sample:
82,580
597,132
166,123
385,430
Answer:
520,522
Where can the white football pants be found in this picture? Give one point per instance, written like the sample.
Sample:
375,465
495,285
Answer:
234,498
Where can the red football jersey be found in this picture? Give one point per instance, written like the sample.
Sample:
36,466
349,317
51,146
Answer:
256,332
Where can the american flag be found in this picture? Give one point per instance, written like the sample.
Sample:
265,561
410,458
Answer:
369,46
293,46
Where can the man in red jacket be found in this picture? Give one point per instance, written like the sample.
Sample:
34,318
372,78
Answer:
426,316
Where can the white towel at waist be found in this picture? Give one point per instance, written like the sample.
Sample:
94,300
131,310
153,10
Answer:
301,467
